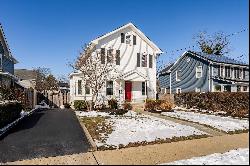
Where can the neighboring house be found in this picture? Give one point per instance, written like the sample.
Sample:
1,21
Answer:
27,79
7,62
136,64
200,72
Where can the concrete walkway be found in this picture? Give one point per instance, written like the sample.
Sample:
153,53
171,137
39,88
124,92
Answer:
152,154
208,130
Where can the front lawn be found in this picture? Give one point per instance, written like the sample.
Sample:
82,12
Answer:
133,129
225,124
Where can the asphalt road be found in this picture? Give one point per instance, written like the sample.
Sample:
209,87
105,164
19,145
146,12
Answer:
44,134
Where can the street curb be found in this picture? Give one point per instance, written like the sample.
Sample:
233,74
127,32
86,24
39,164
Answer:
90,139
14,123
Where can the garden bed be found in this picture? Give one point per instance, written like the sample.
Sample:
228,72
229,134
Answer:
133,129
229,125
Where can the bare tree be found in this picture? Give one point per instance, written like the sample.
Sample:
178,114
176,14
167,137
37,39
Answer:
96,68
51,85
217,43
41,74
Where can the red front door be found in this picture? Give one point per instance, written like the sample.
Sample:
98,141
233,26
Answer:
128,91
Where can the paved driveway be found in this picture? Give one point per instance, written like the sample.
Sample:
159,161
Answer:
44,134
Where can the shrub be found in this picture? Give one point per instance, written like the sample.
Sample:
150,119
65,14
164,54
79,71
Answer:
166,106
9,112
127,106
80,105
152,105
113,104
67,105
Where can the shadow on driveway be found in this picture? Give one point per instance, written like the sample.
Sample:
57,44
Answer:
44,134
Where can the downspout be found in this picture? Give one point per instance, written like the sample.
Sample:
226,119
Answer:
170,83
209,78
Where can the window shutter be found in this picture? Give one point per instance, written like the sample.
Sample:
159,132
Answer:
134,40
144,60
110,56
138,59
150,61
103,55
122,38
117,57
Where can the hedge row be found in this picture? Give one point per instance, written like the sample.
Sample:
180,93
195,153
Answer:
9,112
235,104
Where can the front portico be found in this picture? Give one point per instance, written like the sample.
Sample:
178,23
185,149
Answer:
132,87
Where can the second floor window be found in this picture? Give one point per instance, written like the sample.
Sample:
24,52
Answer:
222,71
150,61
178,75
110,56
198,71
237,73
102,55
79,87
117,58
144,60
227,71
244,73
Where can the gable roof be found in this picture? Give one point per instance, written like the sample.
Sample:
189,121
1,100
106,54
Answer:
208,57
219,58
136,30
25,74
6,44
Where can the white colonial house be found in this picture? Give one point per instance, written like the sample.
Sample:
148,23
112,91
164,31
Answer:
135,61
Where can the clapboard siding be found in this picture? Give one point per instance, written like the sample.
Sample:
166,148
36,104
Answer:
188,74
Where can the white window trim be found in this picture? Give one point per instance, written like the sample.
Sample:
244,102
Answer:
197,89
196,72
176,75
177,90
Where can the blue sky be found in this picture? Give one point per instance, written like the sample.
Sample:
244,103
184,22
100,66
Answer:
50,33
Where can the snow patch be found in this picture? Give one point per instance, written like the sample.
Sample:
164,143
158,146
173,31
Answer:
132,128
222,123
91,113
233,157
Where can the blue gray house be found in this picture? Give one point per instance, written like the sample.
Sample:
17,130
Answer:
7,61
200,72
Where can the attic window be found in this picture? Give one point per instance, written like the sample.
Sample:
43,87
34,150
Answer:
128,40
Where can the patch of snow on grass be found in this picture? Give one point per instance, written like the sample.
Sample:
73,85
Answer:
233,157
222,123
133,128
91,113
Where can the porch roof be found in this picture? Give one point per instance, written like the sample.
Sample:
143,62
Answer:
134,75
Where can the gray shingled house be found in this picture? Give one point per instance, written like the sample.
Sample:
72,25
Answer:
7,61
200,72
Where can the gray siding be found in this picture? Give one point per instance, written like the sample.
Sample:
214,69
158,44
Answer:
164,80
6,65
188,81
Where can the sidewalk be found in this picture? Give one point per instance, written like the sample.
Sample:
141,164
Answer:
152,154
